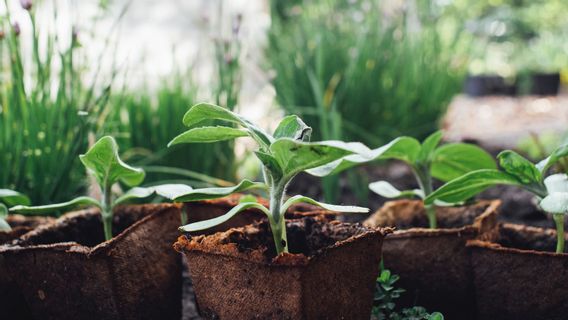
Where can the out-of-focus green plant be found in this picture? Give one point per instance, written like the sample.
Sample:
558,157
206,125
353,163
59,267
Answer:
356,73
47,106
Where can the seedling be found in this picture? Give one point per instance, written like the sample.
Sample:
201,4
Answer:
427,160
516,170
103,162
10,198
283,155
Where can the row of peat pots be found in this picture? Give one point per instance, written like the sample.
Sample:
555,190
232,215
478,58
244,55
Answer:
470,267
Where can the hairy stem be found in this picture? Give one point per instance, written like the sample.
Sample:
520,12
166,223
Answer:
559,220
278,223
106,212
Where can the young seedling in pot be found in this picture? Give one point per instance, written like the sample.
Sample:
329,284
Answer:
10,198
427,160
103,162
283,155
551,191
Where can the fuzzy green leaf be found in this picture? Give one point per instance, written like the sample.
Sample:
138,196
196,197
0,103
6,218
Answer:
206,224
218,192
208,134
453,160
294,128
331,207
205,112
469,185
4,226
12,198
428,147
168,191
403,148
271,164
518,166
103,162
387,190
556,155
57,207
555,203
296,156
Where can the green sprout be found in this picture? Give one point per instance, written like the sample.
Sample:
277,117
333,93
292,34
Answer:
10,198
283,155
552,191
427,160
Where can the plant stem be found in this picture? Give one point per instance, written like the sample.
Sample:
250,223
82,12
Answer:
183,215
422,174
106,212
431,213
278,223
559,220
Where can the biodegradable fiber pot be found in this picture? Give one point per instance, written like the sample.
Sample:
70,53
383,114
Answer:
517,275
330,273
11,301
66,270
433,264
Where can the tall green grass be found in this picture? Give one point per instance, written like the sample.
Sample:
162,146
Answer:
47,109
355,73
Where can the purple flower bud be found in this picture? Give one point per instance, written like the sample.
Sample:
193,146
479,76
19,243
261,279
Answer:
16,28
26,4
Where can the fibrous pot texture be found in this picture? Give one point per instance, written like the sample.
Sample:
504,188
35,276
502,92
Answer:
434,264
329,274
518,275
66,270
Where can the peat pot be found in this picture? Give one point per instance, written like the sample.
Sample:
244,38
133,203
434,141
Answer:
329,274
433,264
65,270
11,301
517,275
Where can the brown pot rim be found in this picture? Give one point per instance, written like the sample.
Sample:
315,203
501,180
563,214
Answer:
492,206
73,247
496,247
283,260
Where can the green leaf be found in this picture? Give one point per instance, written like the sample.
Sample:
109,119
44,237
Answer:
296,156
218,192
271,164
294,128
206,224
4,226
103,162
208,134
57,207
168,191
387,190
204,111
516,165
436,316
403,148
453,160
331,207
428,147
555,203
469,185
556,183
556,155
12,198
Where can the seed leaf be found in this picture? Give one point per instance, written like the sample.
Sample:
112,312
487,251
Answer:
57,207
296,156
103,162
294,128
4,226
556,155
331,207
218,192
208,134
12,198
205,112
453,160
206,224
428,147
403,148
470,184
518,166
387,190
